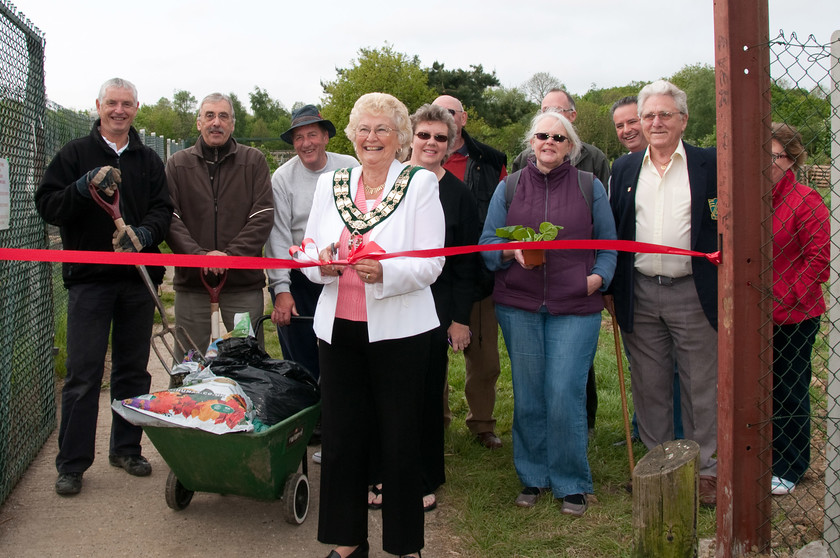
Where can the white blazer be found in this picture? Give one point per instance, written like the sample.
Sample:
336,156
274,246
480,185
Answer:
402,304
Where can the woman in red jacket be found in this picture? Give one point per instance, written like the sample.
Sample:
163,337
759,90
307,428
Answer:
801,255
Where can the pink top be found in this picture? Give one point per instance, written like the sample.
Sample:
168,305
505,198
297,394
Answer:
351,290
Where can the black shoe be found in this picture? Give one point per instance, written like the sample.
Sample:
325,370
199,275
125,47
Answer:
133,464
361,551
574,504
68,484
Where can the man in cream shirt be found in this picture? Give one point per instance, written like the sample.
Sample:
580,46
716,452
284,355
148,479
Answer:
666,305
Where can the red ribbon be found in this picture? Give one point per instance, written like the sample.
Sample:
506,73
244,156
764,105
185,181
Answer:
367,251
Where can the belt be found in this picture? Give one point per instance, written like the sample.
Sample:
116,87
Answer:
664,280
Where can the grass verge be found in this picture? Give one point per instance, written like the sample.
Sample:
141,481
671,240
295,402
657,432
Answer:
482,485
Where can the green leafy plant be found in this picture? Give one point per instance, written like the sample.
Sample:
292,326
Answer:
527,234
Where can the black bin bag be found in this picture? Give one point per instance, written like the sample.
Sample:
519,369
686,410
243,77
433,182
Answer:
278,388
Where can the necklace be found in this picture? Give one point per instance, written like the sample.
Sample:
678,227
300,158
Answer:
371,189
374,190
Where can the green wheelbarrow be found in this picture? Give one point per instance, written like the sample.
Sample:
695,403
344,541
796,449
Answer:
261,465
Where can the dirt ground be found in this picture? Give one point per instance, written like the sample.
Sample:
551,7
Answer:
120,515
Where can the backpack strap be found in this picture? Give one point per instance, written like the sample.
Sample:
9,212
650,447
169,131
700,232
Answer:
510,187
586,183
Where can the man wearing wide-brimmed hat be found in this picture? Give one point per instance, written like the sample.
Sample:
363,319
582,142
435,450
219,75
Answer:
293,185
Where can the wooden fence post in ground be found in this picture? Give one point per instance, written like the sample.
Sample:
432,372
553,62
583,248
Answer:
665,501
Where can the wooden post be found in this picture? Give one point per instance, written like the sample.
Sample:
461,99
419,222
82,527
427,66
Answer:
666,501
745,327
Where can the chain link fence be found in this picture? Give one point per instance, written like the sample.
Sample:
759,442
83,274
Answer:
27,380
33,308
799,274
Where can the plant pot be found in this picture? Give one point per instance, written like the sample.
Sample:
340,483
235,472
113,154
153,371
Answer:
533,257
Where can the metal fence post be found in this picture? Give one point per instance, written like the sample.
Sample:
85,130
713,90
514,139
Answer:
831,534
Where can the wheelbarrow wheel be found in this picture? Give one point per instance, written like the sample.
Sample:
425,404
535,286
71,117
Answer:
177,497
296,499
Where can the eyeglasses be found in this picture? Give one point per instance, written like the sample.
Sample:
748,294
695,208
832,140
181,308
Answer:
556,109
542,136
453,112
381,132
440,138
211,116
663,115
776,156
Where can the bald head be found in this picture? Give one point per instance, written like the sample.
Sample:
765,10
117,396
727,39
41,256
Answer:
559,100
456,109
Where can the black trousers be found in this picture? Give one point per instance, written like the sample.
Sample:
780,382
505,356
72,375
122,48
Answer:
92,310
371,392
431,431
297,340
591,397
792,346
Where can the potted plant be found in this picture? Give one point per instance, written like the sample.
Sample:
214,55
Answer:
548,231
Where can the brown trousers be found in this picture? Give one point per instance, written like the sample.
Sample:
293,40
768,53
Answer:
483,369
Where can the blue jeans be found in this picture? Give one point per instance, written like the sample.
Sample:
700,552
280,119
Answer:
549,361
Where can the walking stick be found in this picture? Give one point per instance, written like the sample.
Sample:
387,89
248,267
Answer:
619,360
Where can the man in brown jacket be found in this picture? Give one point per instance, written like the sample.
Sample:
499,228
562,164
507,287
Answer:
221,191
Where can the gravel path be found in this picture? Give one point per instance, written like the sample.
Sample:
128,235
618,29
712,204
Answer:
120,515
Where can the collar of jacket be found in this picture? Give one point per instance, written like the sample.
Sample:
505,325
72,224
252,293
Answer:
133,137
556,173
215,154
472,148
785,183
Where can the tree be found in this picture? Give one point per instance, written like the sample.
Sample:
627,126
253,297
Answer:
160,118
539,85
507,115
242,116
468,86
263,106
382,70
270,118
809,113
184,105
698,82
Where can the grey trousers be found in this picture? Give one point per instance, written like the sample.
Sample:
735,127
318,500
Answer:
669,324
192,313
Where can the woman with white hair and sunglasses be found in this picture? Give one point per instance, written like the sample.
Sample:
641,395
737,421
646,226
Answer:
550,314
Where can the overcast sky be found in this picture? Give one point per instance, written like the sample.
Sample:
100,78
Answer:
289,47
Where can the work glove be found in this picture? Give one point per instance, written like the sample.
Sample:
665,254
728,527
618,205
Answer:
105,178
132,239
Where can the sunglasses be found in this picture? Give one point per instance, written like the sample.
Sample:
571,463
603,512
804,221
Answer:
542,136
440,138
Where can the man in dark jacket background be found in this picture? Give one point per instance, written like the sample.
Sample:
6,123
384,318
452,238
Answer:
481,168
104,296
223,207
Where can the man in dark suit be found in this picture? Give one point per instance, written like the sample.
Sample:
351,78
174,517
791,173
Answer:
666,305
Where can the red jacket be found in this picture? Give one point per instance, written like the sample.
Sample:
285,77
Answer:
801,251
